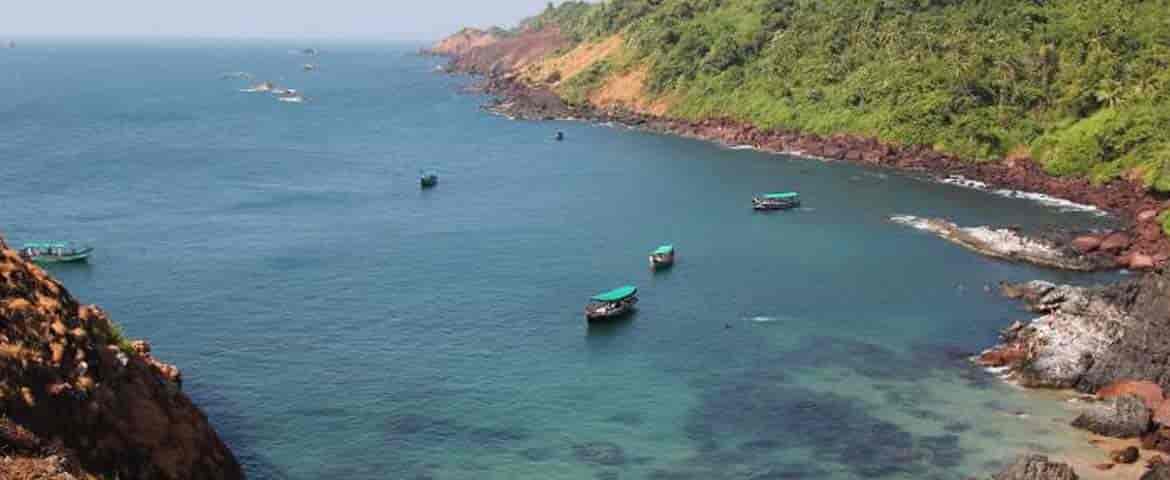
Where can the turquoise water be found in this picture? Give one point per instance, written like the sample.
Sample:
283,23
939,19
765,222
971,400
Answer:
336,322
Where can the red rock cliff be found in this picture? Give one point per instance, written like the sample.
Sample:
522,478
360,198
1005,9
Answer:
78,400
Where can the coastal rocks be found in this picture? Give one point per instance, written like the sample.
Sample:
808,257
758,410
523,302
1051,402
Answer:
1158,439
1036,467
1088,337
1119,417
1149,392
1000,243
1125,455
81,392
1086,243
1157,472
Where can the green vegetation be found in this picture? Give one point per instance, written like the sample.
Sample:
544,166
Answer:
1085,85
116,336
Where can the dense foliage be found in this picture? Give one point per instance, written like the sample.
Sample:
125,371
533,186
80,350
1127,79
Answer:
1084,85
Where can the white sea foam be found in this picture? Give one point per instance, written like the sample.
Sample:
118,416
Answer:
742,147
1048,200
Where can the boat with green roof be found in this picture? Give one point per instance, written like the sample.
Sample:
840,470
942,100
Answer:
776,201
55,252
428,179
662,257
612,304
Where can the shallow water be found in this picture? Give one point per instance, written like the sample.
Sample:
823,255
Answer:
336,322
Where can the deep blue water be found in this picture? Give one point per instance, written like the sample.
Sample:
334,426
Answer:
336,322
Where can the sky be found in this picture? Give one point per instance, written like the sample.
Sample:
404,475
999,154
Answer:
390,19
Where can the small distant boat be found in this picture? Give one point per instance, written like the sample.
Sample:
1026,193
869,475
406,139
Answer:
611,304
662,257
55,252
12,44
560,136
428,180
279,91
312,52
236,75
262,87
291,98
776,201
308,67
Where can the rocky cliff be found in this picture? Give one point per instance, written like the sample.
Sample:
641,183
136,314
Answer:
77,400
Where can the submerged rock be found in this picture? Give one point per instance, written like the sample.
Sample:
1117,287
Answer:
601,453
1120,417
1036,467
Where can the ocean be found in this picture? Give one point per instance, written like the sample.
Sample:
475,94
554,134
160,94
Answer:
335,321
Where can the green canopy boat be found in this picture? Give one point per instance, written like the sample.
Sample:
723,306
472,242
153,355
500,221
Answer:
55,252
776,201
612,304
428,180
662,257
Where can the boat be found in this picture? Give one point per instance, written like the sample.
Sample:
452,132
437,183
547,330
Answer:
428,180
776,201
261,87
308,67
12,44
662,257
560,136
291,98
612,304
311,52
236,75
278,91
55,252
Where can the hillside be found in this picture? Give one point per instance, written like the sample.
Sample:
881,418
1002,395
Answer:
79,400
1081,87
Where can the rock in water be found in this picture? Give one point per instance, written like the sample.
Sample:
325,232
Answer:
1036,467
1120,417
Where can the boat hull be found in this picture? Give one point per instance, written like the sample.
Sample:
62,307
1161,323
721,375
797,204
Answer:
74,258
661,261
760,205
618,311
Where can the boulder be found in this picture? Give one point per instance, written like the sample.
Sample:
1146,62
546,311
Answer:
1119,417
1149,392
1086,243
1157,472
1161,414
1115,242
1147,215
1141,261
1036,467
1125,455
1158,439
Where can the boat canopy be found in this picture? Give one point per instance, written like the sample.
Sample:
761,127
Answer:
664,250
617,294
47,245
781,196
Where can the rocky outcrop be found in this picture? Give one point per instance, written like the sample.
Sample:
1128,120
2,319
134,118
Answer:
1005,243
75,393
1157,472
1036,467
1118,417
1089,337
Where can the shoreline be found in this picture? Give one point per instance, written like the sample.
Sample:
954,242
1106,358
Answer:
1016,176
1143,243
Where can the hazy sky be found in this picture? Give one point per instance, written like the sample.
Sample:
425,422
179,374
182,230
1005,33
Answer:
399,19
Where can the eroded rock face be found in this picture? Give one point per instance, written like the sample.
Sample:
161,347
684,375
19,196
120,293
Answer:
1089,337
1036,467
72,387
1157,472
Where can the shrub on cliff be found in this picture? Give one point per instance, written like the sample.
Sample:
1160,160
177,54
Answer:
1085,84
